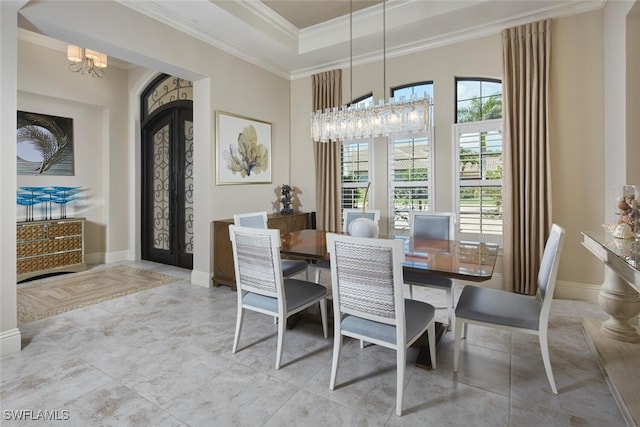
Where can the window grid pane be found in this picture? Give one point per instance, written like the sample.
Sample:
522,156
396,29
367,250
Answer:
480,172
410,164
480,155
478,100
481,209
408,198
354,173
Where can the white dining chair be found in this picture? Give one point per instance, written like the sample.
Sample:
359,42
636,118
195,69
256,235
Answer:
348,215
496,308
290,267
261,286
433,226
368,301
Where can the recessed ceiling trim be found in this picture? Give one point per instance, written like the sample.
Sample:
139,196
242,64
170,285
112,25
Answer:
156,11
264,19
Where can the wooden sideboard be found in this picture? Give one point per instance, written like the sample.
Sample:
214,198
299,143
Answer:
223,269
49,246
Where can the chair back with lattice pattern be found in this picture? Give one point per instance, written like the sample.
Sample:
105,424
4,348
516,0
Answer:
367,277
256,254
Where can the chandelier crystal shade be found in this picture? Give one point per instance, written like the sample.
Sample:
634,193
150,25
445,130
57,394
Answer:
356,122
86,61
397,116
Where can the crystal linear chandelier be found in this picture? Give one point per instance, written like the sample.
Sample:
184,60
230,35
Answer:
354,122
86,61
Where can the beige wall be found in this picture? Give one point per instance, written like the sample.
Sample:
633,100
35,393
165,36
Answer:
476,58
577,135
100,149
633,95
223,82
577,129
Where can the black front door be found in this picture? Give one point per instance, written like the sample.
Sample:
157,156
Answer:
167,185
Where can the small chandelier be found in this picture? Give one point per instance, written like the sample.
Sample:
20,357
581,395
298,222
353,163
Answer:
86,61
356,121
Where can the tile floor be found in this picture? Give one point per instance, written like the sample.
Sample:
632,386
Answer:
162,357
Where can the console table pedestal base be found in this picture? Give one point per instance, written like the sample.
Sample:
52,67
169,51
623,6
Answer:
619,362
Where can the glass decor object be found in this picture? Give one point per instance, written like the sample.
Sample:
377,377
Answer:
29,197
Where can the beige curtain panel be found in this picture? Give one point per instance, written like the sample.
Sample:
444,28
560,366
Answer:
327,93
527,171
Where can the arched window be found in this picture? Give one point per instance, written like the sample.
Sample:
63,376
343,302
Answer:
164,90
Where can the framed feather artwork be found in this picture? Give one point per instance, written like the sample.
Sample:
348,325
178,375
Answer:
44,144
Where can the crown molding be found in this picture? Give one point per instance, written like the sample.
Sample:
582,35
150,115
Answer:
552,11
156,11
254,33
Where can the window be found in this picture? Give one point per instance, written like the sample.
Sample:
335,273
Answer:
410,165
363,100
478,100
355,160
479,183
478,153
355,172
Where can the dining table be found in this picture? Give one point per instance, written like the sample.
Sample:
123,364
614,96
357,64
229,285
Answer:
456,259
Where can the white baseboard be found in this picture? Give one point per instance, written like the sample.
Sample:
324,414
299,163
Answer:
576,291
201,278
119,256
106,257
10,341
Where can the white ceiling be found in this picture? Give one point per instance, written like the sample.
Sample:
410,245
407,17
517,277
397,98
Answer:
296,38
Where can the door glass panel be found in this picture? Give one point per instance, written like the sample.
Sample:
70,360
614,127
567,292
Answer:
161,188
166,91
188,187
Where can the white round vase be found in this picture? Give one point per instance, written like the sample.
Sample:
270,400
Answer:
363,227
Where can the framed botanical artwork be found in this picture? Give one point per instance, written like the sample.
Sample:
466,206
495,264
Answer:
44,144
243,150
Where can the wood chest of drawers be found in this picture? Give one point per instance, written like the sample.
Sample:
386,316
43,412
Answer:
49,246
223,270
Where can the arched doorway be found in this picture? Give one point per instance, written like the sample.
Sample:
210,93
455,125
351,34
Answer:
167,172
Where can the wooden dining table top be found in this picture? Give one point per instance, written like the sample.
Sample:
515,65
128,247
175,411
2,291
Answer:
457,259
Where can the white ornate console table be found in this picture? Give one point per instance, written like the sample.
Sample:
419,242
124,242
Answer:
616,341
